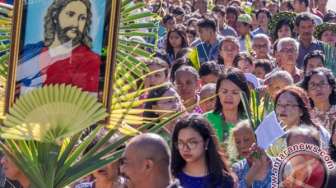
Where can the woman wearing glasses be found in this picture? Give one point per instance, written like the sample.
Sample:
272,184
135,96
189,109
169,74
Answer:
229,48
320,85
197,160
292,109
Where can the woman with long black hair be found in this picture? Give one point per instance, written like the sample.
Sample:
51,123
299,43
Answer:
229,109
197,160
320,85
176,41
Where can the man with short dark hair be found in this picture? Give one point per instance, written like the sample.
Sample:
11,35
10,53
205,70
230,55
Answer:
223,28
145,163
305,27
208,48
301,6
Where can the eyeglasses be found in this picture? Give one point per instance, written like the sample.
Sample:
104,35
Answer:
260,46
286,106
192,144
314,86
226,49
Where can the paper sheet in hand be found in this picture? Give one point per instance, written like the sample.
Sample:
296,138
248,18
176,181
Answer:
268,131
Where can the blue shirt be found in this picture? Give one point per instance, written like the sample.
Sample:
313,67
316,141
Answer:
314,45
199,182
208,52
241,168
258,31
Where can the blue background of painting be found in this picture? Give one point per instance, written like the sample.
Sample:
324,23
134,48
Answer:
34,30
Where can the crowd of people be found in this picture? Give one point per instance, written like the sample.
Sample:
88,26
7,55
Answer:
217,57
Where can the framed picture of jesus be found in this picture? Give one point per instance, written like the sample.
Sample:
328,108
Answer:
69,42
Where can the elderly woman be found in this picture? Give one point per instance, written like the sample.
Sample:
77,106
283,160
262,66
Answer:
292,110
288,51
261,46
320,85
228,49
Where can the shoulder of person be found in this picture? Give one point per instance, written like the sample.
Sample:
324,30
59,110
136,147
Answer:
211,115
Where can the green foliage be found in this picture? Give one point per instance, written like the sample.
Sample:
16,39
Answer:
257,107
43,132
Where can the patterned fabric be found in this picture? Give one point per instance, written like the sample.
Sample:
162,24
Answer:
241,168
327,119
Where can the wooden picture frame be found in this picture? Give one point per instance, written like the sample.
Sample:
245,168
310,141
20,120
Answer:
78,38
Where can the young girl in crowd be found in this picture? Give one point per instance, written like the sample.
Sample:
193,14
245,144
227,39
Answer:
187,83
159,69
244,62
262,68
176,40
173,104
252,170
321,87
197,160
228,49
312,61
229,108
283,29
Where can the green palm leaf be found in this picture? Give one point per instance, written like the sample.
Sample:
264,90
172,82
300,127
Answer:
51,113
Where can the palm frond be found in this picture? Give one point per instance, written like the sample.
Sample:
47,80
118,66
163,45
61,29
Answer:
52,113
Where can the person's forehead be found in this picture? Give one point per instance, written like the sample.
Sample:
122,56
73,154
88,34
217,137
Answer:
243,132
229,43
279,82
286,96
207,93
306,23
75,5
318,77
288,44
315,60
129,152
260,40
188,133
185,75
228,84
